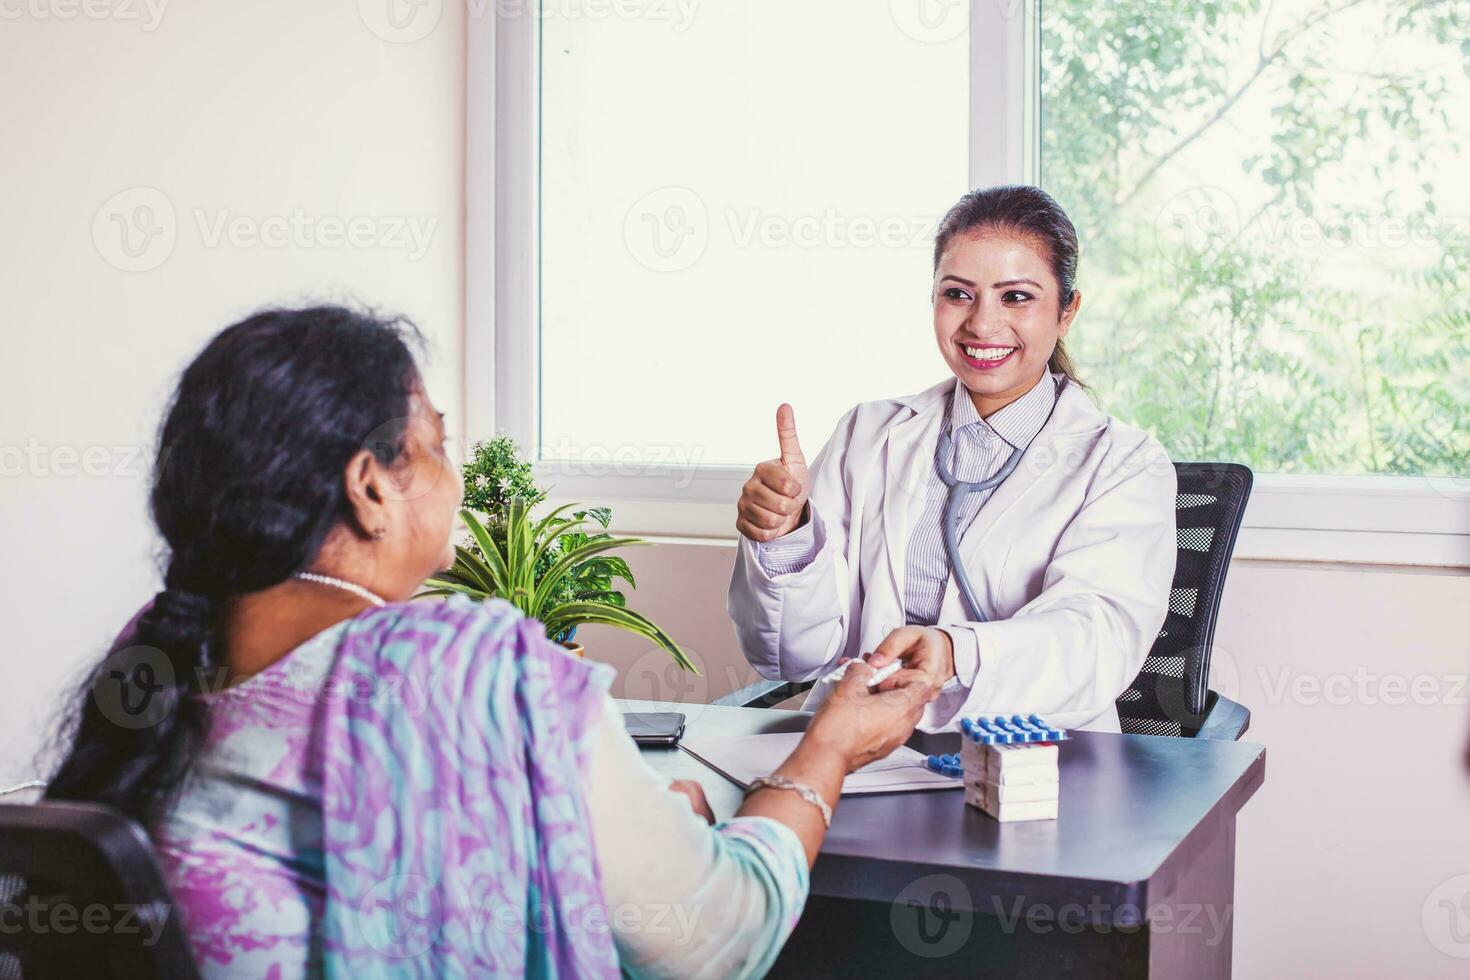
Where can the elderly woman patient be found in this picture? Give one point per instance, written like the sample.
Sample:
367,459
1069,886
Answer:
337,778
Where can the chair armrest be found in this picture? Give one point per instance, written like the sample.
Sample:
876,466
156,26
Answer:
763,694
1225,720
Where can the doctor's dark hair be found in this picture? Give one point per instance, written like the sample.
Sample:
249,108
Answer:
247,484
1031,213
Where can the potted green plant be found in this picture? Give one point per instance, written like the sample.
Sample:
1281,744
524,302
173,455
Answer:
556,568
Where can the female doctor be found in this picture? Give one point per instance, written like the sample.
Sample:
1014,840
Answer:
1063,517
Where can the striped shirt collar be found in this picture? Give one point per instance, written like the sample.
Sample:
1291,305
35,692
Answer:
1017,423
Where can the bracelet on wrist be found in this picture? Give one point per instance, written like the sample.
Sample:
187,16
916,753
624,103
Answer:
800,789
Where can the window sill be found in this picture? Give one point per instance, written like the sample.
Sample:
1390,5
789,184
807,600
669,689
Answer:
1341,520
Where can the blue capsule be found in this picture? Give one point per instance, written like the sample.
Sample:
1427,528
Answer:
1010,730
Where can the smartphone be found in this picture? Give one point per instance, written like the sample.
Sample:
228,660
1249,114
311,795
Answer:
654,727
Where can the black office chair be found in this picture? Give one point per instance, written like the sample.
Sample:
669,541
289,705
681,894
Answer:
82,896
1170,695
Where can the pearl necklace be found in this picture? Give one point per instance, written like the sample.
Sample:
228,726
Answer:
344,585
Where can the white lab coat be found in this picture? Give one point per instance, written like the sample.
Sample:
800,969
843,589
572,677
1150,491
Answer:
1072,558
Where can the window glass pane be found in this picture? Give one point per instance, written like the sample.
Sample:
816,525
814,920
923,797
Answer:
1275,223
737,209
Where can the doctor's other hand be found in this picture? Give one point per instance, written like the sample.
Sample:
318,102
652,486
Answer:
860,723
773,501
927,654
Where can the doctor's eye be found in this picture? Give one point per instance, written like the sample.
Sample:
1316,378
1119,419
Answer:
956,294
1015,296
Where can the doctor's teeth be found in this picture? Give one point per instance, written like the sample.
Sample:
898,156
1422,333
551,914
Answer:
988,353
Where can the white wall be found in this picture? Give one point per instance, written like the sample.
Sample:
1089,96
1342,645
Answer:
265,107
243,110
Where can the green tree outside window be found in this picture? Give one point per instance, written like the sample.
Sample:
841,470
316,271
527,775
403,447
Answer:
1274,206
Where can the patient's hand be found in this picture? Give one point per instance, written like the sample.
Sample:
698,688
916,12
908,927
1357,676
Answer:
695,793
861,724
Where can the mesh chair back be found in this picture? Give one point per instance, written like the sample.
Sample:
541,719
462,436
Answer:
82,896
1169,695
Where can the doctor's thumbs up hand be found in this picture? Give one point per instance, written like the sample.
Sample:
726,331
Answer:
773,501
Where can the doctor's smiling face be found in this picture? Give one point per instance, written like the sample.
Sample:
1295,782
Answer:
1004,292
997,314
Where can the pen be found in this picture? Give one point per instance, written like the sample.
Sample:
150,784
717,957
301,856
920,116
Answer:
879,676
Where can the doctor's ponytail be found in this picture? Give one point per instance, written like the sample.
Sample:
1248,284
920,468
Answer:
1033,213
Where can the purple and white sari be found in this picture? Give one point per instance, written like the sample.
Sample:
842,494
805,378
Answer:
399,796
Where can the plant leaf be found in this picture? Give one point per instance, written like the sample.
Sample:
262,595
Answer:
606,596
617,567
518,556
567,561
441,587
494,560
563,534
545,522
576,613
459,575
477,571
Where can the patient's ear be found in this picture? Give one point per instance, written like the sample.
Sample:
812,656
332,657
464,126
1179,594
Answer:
364,481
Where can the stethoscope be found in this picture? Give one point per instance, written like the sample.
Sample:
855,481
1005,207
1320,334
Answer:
955,501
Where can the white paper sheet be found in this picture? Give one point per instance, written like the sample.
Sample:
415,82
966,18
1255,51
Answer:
741,758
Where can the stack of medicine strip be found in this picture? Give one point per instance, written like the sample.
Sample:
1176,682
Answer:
1010,767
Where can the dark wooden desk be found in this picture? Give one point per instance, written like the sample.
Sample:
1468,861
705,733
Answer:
1136,877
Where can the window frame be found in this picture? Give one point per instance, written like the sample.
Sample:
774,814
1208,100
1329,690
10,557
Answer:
1413,521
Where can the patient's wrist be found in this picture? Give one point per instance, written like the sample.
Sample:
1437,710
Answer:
821,752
